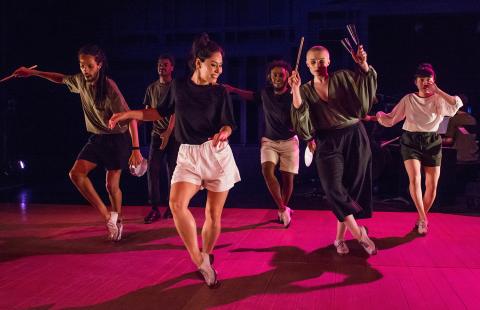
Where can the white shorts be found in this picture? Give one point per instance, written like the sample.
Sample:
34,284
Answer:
284,150
210,167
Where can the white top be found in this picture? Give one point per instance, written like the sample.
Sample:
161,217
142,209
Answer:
421,114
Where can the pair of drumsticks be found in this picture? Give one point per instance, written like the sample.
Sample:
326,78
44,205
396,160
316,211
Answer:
352,30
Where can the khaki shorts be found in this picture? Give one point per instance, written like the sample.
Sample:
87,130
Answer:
209,167
284,150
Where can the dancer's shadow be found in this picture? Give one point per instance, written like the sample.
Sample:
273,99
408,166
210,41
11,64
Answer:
63,242
288,266
279,279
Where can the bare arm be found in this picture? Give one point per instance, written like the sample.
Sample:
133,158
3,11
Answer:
51,76
294,81
136,157
361,59
243,93
143,115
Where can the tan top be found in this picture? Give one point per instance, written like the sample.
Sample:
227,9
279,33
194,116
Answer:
97,115
420,114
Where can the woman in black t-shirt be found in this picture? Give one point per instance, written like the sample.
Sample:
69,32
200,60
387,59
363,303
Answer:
204,121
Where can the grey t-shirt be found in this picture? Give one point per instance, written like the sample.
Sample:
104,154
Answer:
153,96
98,115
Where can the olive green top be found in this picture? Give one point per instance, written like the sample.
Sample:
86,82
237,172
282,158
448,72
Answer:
97,114
350,97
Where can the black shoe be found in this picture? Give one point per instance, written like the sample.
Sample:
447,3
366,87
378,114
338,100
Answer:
152,216
168,214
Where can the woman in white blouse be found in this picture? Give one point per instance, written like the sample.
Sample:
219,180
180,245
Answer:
421,145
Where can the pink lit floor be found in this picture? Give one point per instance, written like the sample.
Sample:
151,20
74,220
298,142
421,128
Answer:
56,256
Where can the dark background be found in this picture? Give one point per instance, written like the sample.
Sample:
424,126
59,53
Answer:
42,123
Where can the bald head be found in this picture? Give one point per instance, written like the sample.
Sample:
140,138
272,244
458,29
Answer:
318,59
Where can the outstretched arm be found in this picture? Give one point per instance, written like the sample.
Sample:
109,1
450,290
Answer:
243,93
51,76
143,115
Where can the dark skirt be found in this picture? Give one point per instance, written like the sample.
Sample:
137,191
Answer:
344,165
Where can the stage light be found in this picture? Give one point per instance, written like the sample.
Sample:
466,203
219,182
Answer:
21,164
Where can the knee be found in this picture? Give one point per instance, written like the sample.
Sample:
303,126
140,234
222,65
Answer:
416,181
177,206
112,188
76,176
214,220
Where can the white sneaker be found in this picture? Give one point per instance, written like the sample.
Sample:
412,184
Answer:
366,242
422,227
341,246
208,272
112,226
120,230
286,216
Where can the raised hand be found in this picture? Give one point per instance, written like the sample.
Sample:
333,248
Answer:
294,80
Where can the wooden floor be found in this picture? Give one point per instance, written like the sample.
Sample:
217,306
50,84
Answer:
56,256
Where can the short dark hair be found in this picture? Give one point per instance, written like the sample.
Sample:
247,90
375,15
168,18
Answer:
167,56
277,63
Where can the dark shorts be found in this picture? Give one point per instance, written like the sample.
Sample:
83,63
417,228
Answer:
423,146
110,151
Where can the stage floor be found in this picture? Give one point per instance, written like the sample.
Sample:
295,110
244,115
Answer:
56,256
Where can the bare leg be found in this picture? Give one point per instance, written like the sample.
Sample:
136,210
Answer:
415,178
268,171
287,186
341,230
432,174
79,176
213,215
352,226
114,191
180,195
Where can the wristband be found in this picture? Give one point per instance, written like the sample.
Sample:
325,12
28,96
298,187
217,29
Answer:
133,148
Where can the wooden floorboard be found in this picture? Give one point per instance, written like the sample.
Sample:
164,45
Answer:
57,257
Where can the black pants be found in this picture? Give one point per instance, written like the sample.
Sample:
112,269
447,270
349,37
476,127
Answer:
161,163
344,164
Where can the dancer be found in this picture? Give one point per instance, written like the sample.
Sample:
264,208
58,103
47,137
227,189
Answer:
329,108
279,141
204,121
163,146
106,147
421,145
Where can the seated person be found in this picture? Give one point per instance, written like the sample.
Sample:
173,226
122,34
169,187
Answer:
461,134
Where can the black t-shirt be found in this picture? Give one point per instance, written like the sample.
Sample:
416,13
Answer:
200,110
276,108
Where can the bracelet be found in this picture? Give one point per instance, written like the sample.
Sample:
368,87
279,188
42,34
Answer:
135,148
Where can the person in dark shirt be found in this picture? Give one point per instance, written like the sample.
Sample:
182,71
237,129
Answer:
203,122
279,142
106,147
329,108
163,146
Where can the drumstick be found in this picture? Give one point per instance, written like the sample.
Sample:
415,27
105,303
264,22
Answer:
352,30
299,54
389,141
12,76
346,43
